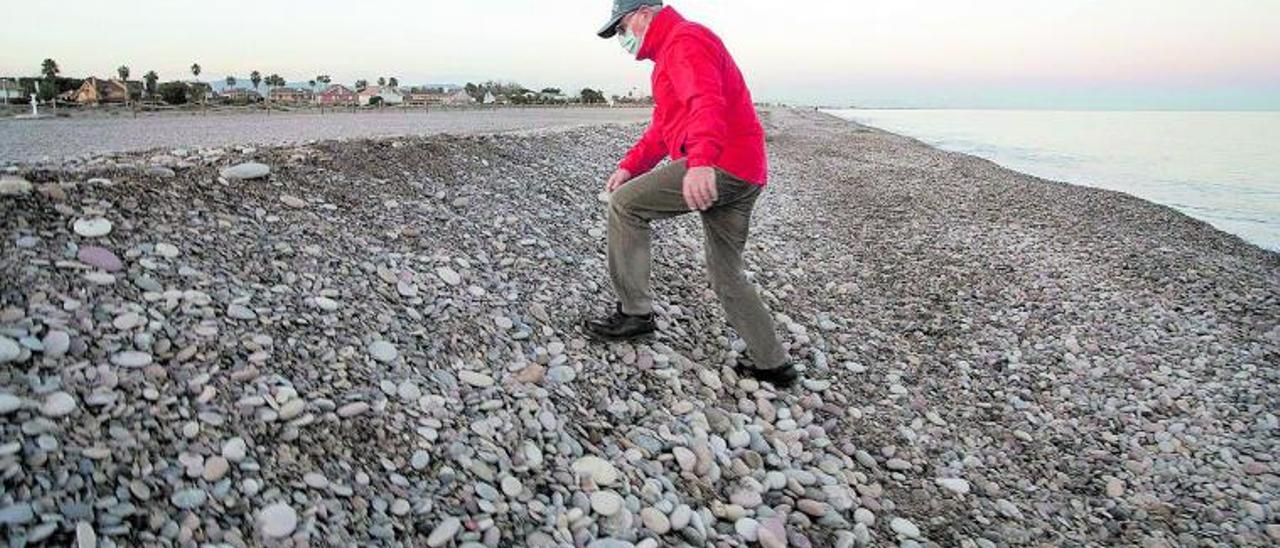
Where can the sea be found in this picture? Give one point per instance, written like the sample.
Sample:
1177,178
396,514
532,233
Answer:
1219,167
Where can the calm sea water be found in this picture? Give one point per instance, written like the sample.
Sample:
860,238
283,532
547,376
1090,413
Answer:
1220,167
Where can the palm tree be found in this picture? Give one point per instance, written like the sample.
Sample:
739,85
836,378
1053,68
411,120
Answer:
195,71
382,81
49,68
361,84
231,81
123,71
256,78
151,78
393,82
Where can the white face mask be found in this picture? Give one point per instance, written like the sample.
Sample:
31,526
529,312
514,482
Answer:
629,42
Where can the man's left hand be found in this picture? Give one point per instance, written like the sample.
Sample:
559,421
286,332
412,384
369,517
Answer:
700,188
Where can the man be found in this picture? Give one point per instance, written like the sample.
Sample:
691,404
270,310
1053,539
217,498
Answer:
705,121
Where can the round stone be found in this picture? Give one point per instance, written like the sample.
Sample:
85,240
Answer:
904,527
444,532
131,359
598,469
326,304
955,485
353,409
56,343
85,536
168,251
92,228
315,480
479,380
188,499
449,276
58,404
100,257
293,201
9,350
654,520
278,520
771,533
512,487
606,503
383,351
215,468
9,403
747,528
421,459
235,449
246,171
408,391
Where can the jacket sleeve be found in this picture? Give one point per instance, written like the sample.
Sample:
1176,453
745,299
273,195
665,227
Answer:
698,78
648,152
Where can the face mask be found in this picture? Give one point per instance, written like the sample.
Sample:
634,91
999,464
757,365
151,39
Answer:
629,42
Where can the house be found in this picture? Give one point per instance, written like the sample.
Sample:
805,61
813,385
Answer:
96,91
419,97
336,94
385,95
459,97
292,96
11,91
240,95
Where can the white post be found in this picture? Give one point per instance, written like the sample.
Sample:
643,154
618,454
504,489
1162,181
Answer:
34,111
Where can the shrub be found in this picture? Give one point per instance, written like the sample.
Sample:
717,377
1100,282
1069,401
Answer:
174,93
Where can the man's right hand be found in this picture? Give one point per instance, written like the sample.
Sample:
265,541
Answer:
616,180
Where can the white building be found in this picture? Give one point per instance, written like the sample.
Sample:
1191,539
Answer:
387,95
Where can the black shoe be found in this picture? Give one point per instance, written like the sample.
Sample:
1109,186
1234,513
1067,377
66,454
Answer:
621,327
781,377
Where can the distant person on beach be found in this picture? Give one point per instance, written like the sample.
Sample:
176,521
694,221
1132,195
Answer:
704,120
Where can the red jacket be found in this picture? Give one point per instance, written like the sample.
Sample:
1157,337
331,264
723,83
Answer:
703,109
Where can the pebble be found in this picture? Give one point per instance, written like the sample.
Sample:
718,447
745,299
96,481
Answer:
99,257
353,409
904,527
85,535
293,201
56,344
240,312
654,520
215,468
747,528
383,351
512,487
9,350
599,470
326,304
58,404
955,485
278,520
444,532
479,380
92,228
188,499
235,449
131,359
9,403
606,503
449,276
771,533
11,186
168,251
245,172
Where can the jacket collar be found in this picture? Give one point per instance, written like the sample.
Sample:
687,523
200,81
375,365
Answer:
659,29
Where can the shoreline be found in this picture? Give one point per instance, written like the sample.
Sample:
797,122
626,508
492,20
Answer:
990,358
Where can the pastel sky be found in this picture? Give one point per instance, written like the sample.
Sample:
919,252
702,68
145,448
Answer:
1122,54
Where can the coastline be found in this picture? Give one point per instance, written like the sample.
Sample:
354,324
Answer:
992,358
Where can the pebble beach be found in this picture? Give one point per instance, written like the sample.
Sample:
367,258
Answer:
376,341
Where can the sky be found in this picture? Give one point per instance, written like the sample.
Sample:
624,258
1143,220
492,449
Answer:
1041,54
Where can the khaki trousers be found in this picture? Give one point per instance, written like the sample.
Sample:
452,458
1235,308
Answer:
659,195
